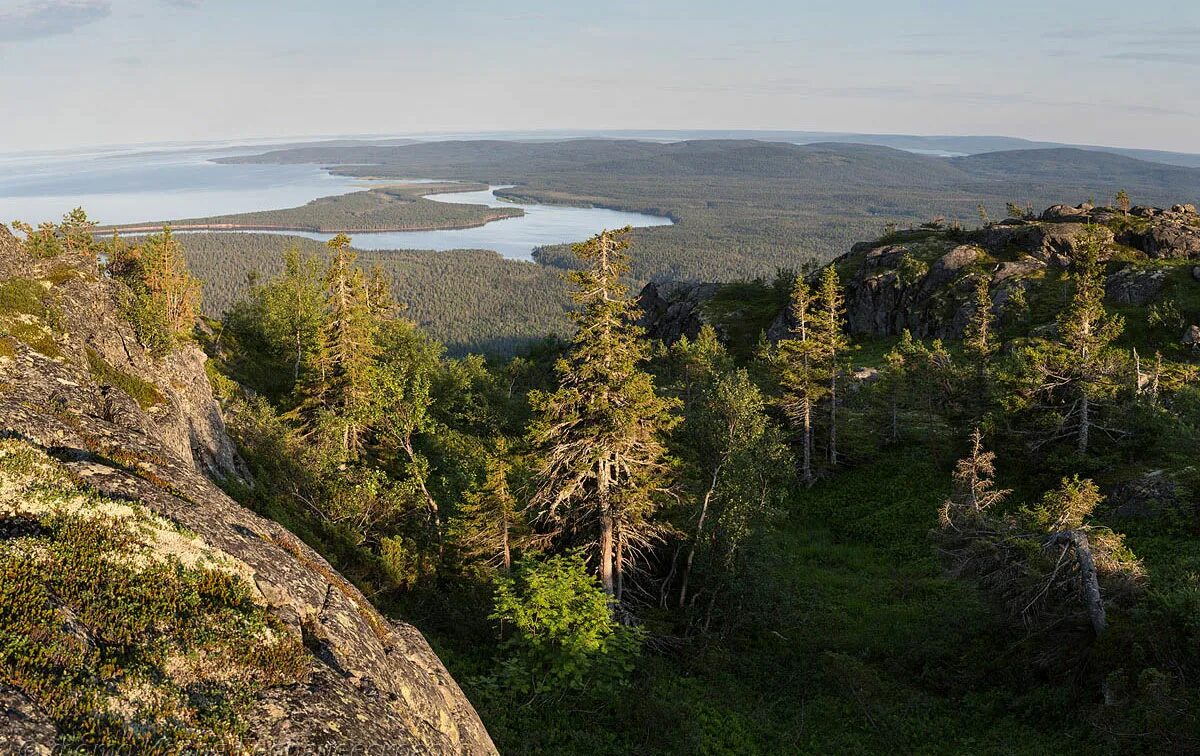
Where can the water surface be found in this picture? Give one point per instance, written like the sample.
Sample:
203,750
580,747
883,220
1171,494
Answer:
127,185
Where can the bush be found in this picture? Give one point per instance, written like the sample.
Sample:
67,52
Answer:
564,633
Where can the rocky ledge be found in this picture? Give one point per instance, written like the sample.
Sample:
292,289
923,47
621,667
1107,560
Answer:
144,435
922,280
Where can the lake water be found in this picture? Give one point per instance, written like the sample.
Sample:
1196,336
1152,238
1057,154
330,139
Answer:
128,185
515,238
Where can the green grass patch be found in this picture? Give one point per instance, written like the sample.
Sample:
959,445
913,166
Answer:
146,394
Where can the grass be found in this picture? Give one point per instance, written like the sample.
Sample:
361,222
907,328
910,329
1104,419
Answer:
146,394
848,638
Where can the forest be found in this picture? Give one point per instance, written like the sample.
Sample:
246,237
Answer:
822,543
744,208
399,207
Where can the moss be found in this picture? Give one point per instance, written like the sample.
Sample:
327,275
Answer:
136,651
146,394
23,296
36,337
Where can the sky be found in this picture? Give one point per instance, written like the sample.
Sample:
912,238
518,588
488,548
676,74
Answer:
93,72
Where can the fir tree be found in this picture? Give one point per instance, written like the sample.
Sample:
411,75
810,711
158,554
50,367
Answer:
349,337
600,433
803,372
828,330
978,339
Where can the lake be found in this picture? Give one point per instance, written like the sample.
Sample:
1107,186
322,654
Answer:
515,238
132,185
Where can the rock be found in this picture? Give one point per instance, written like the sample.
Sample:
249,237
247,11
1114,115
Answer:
1060,213
1184,209
1191,337
1196,272
372,685
1016,269
25,729
1133,286
1164,240
1050,243
674,309
1150,495
950,265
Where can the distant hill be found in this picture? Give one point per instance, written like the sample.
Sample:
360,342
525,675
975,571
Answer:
744,207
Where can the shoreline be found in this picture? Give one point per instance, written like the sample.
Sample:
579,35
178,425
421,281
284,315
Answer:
150,228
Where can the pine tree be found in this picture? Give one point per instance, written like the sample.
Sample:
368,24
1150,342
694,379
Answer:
828,330
803,372
600,434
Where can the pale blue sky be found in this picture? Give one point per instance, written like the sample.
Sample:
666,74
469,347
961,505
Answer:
82,72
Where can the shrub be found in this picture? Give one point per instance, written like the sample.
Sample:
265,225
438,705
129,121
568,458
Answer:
564,632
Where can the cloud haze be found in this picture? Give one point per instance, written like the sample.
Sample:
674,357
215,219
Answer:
129,71
45,18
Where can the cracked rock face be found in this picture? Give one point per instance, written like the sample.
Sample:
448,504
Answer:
373,685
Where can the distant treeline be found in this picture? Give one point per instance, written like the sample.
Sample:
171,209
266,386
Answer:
472,300
745,208
393,208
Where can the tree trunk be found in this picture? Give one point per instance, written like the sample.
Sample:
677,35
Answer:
507,552
619,564
808,443
687,569
1087,575
1084,423
833,417
606,553
605,567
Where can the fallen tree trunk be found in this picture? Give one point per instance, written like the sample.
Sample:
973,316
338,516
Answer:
1078,541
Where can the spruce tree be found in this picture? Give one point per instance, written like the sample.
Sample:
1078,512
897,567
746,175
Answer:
803,372
349,336
1086,332
979,339
489,525
600,434
828,330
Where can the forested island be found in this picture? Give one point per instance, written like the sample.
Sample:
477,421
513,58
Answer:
399,207
938,492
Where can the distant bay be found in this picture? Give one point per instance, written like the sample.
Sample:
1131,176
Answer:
129,185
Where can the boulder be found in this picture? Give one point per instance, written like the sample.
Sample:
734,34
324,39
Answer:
1191,337
1147,496
1061,213
1164,240
1134,286
671,310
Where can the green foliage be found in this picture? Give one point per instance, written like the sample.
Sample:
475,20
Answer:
146,394
599,435
162,297
564,636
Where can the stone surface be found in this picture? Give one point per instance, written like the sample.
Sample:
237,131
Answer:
1191,337
675,309
374,686
1134,286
